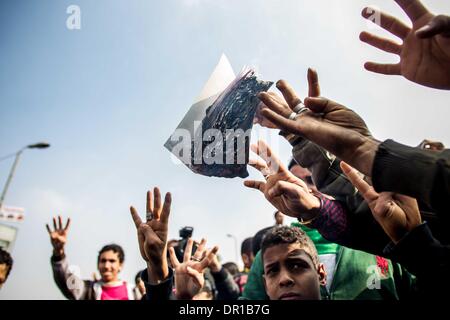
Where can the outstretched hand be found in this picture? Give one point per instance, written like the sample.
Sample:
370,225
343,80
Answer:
397,214
189,274
152,234
289,194
328,124
58,237
289,98
425,51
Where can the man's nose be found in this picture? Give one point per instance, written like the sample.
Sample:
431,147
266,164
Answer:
285,279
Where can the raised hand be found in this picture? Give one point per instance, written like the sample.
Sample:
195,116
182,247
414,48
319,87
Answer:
439,25
289,194
289,98
397,214
152,235
328,124
425,51
260,119
189,274
58,237
214,263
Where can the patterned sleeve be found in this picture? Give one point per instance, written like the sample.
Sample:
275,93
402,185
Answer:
332,222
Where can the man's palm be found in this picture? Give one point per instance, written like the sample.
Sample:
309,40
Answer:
424,59
395,213
155,235
292,203
286,192
152,234
58,238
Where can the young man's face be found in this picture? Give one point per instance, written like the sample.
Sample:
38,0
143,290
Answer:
109,266
3,271
279,218
290,274
247,258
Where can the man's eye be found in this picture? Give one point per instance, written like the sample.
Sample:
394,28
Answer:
271,272
298,266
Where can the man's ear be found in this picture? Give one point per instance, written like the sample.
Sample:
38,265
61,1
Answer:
322,274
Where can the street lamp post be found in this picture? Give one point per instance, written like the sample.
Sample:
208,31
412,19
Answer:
40,145
235,246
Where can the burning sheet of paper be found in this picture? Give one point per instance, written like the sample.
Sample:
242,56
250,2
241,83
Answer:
213,139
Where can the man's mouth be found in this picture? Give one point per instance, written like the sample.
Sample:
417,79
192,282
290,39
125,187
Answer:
290,296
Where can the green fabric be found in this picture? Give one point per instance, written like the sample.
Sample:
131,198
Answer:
355,271
254,288
323,246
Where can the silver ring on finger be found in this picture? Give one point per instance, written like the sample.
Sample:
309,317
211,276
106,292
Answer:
149,216
292,116
299,107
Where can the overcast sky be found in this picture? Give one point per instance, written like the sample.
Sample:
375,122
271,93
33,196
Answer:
108,96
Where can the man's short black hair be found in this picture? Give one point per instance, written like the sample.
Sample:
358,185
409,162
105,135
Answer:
5,258
114,248
289,235
232,268
246,246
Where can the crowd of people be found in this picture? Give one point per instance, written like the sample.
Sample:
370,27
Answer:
371,214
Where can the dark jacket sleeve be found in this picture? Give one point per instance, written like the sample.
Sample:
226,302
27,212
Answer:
418,173
69,283
425,257
227,289
162,291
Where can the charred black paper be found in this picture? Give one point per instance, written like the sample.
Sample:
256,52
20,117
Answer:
226,154
213,139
